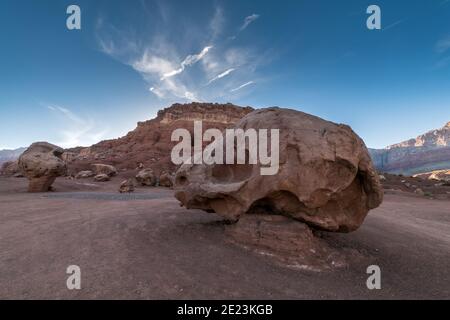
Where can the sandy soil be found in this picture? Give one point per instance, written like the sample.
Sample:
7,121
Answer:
145,246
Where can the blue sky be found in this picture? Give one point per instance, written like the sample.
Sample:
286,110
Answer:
133,57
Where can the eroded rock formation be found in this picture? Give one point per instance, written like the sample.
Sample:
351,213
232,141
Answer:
326,178
41,163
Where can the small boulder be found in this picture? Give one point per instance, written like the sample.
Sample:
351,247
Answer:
10,168
102,177
126,186
84,174
166,180
41,163
146,177
419,192
104,169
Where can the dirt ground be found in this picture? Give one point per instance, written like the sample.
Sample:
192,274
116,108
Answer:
145,246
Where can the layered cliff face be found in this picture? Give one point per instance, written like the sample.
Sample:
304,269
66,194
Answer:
427,152
150,145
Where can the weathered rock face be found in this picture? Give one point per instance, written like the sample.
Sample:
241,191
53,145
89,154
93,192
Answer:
104,169
166,180
41,163
149,145
146,177
126,186
326,178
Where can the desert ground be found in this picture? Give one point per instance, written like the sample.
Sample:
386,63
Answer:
145,246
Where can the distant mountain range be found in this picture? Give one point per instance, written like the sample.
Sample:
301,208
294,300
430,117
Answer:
428,152
10,155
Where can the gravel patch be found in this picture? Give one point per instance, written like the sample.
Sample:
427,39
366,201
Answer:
108,196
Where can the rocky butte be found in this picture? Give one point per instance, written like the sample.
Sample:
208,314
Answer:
150,145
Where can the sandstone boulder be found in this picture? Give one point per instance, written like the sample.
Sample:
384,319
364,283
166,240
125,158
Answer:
41,163
84,174
326,178
126,186
102,177
10,168
166,180
104,169
419,192
146,177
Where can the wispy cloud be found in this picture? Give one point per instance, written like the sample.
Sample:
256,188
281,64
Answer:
217,22
170,73
443,45
219,76
188,61
242,86
248,20
77,131
394,24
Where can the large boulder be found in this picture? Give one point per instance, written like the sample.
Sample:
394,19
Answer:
104,169
326,178
41,163
146,177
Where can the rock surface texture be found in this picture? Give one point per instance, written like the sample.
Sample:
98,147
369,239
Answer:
326,178
41,163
